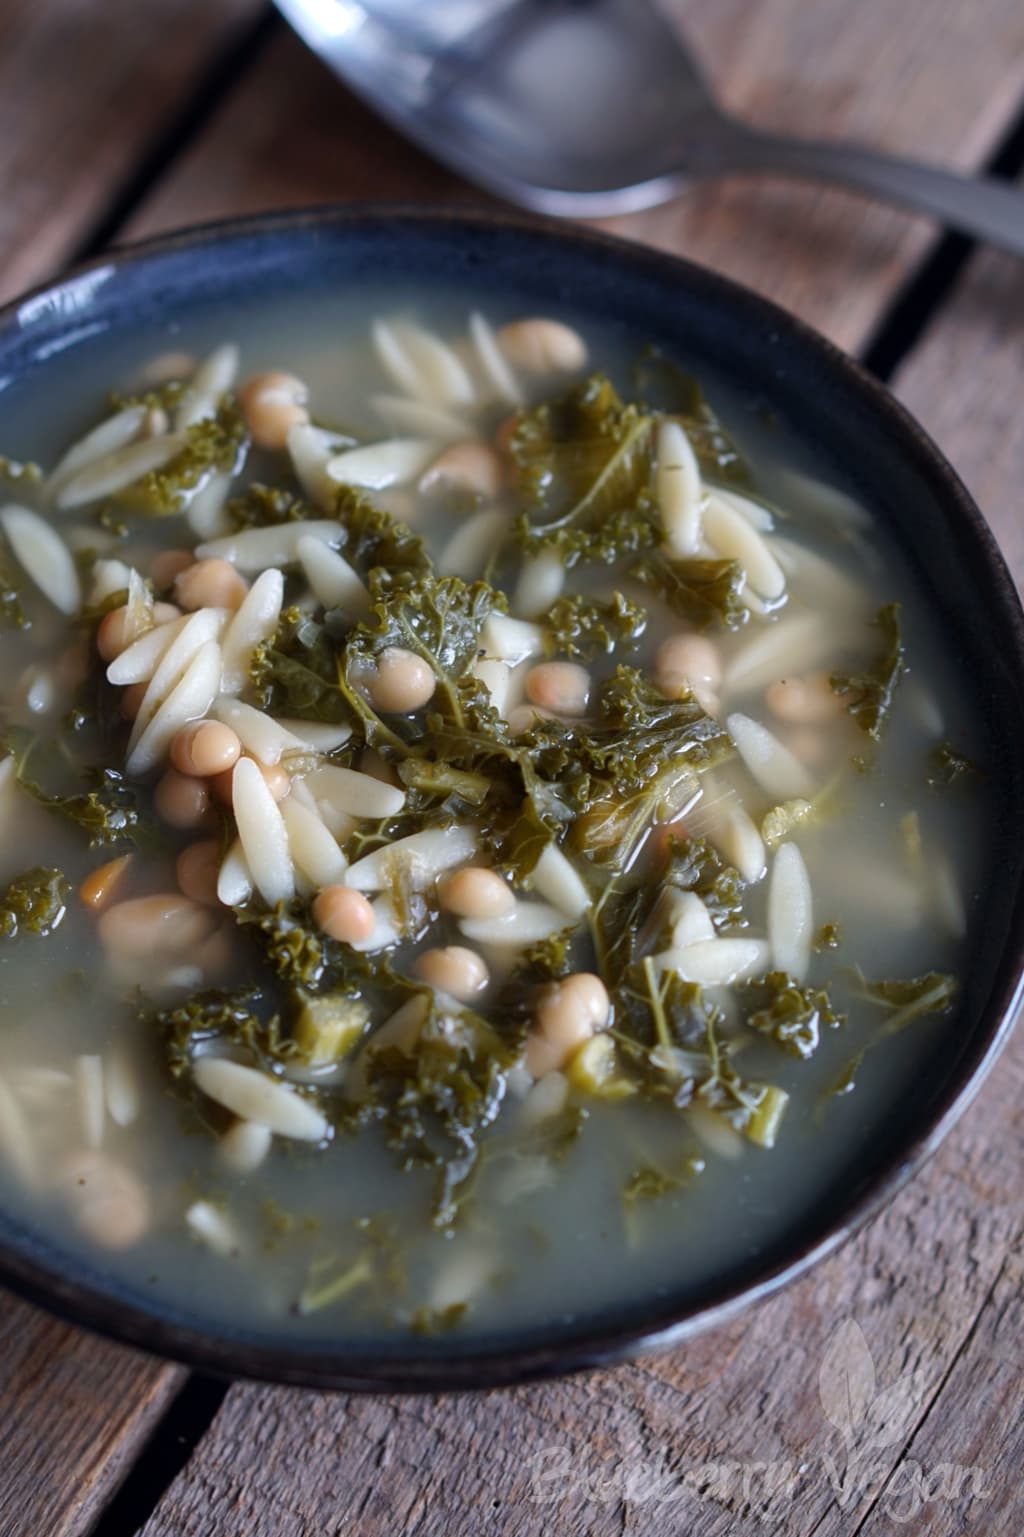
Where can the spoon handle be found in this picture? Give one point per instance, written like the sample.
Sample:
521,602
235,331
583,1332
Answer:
979,206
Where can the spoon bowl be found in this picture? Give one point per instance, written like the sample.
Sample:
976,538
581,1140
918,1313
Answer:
594,107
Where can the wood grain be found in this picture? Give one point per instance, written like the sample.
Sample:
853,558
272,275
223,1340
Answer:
935,78
74,1411
85,92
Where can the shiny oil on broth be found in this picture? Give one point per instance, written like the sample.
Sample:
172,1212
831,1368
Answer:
541,1149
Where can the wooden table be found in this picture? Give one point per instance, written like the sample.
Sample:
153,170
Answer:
119,119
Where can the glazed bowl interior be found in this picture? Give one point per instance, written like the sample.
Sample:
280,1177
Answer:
859,434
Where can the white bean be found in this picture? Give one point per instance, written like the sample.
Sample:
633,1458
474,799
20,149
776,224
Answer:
108,1203
542,346
560,686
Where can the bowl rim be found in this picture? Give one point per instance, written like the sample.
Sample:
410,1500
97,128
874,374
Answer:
662,1327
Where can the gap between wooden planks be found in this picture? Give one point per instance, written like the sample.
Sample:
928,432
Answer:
930,79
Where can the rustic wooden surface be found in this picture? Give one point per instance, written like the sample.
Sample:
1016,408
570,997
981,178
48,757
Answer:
117,120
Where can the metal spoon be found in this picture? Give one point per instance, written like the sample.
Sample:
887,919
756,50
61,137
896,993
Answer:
590,107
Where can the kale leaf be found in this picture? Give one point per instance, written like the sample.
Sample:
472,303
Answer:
872,692
668,388
582,628
703,592
909,998
790,1014
583,484
34,902
215,445
110,812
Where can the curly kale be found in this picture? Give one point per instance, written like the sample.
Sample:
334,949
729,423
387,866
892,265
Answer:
376,541
583,484
215,445
582,628
109,810
296,674
791,1015
240,1018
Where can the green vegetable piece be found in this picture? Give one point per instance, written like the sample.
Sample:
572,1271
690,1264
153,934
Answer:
241,1018
669,389
215,445
762,1125
872,693
12,612
827,937
584,475
911,998
34,902
338,1287
438,619
593,1069
441,779
428,1321
109,813
582,628
949,767
782,819
376,541
792,1015
19,474
694,865
703,592
327,1027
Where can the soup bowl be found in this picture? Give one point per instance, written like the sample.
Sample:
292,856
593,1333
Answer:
874,447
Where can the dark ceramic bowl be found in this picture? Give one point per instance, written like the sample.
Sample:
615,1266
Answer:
857,426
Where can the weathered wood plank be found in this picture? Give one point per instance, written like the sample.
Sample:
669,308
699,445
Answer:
85,91
939,80
74,1411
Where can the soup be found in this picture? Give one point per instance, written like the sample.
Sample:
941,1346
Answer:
488,831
